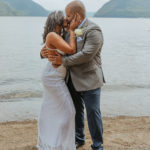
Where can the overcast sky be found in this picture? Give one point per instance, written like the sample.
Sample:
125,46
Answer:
91,5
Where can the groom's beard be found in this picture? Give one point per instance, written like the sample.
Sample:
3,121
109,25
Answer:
68,23
68,26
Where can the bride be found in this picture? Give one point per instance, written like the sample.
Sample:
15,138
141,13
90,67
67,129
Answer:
56,127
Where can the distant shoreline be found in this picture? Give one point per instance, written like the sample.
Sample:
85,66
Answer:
88,17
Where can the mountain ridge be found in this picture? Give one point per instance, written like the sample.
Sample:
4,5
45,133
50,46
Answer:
125,9
21,8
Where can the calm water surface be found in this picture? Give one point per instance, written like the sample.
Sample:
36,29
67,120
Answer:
125,56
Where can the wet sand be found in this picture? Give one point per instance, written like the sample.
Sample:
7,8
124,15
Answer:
120,133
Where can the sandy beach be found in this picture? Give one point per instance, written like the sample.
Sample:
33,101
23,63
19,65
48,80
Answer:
120,133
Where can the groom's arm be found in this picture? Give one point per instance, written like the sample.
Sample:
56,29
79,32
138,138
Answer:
93,43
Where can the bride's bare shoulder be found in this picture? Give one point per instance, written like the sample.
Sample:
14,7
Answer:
51,35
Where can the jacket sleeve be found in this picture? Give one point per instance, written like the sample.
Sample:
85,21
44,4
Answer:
93,43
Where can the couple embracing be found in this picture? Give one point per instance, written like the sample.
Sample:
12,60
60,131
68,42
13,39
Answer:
72,79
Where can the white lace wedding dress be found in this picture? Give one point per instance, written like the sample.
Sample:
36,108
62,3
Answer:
56,127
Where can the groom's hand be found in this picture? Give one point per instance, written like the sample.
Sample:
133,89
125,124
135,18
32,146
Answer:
44,52
56,59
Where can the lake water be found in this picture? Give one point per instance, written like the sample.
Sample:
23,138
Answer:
125,57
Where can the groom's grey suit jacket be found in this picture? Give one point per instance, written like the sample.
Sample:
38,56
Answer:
85,67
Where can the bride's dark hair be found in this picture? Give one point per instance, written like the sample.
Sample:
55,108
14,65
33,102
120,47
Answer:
54,18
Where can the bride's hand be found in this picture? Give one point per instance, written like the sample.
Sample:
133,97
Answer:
75,22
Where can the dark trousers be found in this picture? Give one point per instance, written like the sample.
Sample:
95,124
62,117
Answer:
91,100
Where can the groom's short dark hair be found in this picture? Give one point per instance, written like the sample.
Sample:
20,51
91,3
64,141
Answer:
77,6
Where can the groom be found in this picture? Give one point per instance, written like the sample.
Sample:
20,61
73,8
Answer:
85,77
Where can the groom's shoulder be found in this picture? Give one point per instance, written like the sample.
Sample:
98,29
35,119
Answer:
92,25
93,30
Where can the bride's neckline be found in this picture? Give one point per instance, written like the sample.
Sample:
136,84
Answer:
59,51
50,48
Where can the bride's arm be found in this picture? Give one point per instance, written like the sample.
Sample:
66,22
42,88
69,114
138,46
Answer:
55,40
